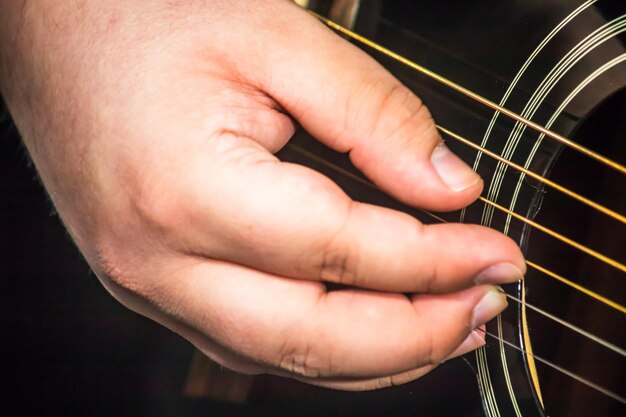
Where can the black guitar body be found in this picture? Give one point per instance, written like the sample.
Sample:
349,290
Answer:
561,64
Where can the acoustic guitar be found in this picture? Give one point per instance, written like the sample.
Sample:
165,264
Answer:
532,94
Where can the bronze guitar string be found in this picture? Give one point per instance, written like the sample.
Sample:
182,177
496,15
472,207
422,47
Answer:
469,93
532,223
605,259
534,175
577,287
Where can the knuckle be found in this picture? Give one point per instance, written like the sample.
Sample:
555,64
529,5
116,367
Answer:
430,358
310,352
430,282
411,120
395,96
428,352
429,267
338,265
160,207
303,359
404,104
340,257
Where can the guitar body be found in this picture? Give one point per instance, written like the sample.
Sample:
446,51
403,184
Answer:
561,64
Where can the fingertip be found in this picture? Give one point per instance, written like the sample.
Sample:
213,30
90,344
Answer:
503,261
452,170
475,340
502,273
492,303
418,180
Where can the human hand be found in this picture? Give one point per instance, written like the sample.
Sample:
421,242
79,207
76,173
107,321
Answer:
153,124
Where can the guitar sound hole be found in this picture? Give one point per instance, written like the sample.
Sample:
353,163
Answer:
604,132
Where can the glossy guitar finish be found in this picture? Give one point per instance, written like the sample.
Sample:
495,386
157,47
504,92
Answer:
563,65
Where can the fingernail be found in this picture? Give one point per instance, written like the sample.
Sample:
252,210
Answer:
455,173
499,274
492,303
475,340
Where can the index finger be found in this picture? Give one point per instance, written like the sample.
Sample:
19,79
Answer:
292,221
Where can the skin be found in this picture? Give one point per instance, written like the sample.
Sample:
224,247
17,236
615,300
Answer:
153,126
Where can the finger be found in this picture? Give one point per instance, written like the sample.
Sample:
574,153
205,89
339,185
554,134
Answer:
351,103
237,363
292,221
229,359
298,327
472,342
475,340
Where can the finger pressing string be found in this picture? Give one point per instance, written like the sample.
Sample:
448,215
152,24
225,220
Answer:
601,389
312,230
541,269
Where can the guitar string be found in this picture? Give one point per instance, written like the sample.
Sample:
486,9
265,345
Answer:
488,211
595,205
519,75
571,374
538,310
534,175
582,332
508,218
468,93
505,365
560,188
590,293
533,265
530,157
602,299
545,132
549,82
546,181
603,258
577,287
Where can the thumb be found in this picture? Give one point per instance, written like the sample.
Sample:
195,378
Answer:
351,103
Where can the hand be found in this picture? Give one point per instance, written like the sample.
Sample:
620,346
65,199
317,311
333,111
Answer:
153,126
